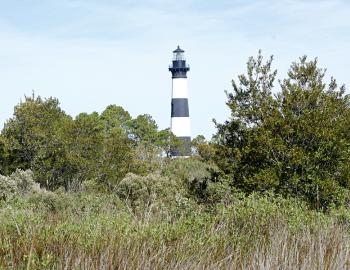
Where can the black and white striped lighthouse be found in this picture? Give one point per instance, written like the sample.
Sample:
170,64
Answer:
180,117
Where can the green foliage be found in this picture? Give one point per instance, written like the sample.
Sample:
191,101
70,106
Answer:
115,117
144,192
198,179
296,142
117,159
84,139
3,158
19,183
33,140
143,129
49,201
24,181
83,230
166,141
8,188
62,151
204,149
65,152
31,134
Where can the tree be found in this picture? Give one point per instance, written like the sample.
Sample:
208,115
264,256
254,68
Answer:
84,143
31,136
3,164
143,129
51,166
149,143
204,149
115,116
295,143
96,152
117,158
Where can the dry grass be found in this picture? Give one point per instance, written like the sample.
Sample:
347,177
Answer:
254,234
286,251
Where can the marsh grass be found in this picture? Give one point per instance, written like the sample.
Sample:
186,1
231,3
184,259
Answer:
85,231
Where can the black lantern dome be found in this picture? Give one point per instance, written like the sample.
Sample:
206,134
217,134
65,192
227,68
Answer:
179,67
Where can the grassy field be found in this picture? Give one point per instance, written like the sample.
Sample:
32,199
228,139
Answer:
100,231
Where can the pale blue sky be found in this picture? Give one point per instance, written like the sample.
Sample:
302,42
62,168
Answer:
93,53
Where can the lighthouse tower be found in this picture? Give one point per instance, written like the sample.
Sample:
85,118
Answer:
180,117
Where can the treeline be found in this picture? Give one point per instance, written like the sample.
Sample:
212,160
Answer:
66,151
290,137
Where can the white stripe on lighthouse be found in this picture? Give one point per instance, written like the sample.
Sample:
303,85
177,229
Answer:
180,88
181,126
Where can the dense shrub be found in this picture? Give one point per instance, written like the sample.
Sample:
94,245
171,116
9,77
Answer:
198,179
8,188
49,200
18,183
25,181
296,142
143,192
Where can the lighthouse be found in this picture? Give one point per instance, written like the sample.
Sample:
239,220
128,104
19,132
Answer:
180,116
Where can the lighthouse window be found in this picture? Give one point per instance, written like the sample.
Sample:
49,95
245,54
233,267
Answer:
179,56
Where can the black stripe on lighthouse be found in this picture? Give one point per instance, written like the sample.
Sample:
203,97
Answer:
184,149
179,107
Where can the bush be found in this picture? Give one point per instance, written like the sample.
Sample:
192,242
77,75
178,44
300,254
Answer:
198,179
18,183
142,192
49,200
24,181
8,188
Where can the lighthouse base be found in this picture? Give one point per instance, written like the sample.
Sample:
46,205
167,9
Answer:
183,150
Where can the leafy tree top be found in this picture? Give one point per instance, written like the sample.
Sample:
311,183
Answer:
295,142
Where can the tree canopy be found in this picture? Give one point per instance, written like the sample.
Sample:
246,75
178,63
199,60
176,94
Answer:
63,151
295,141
